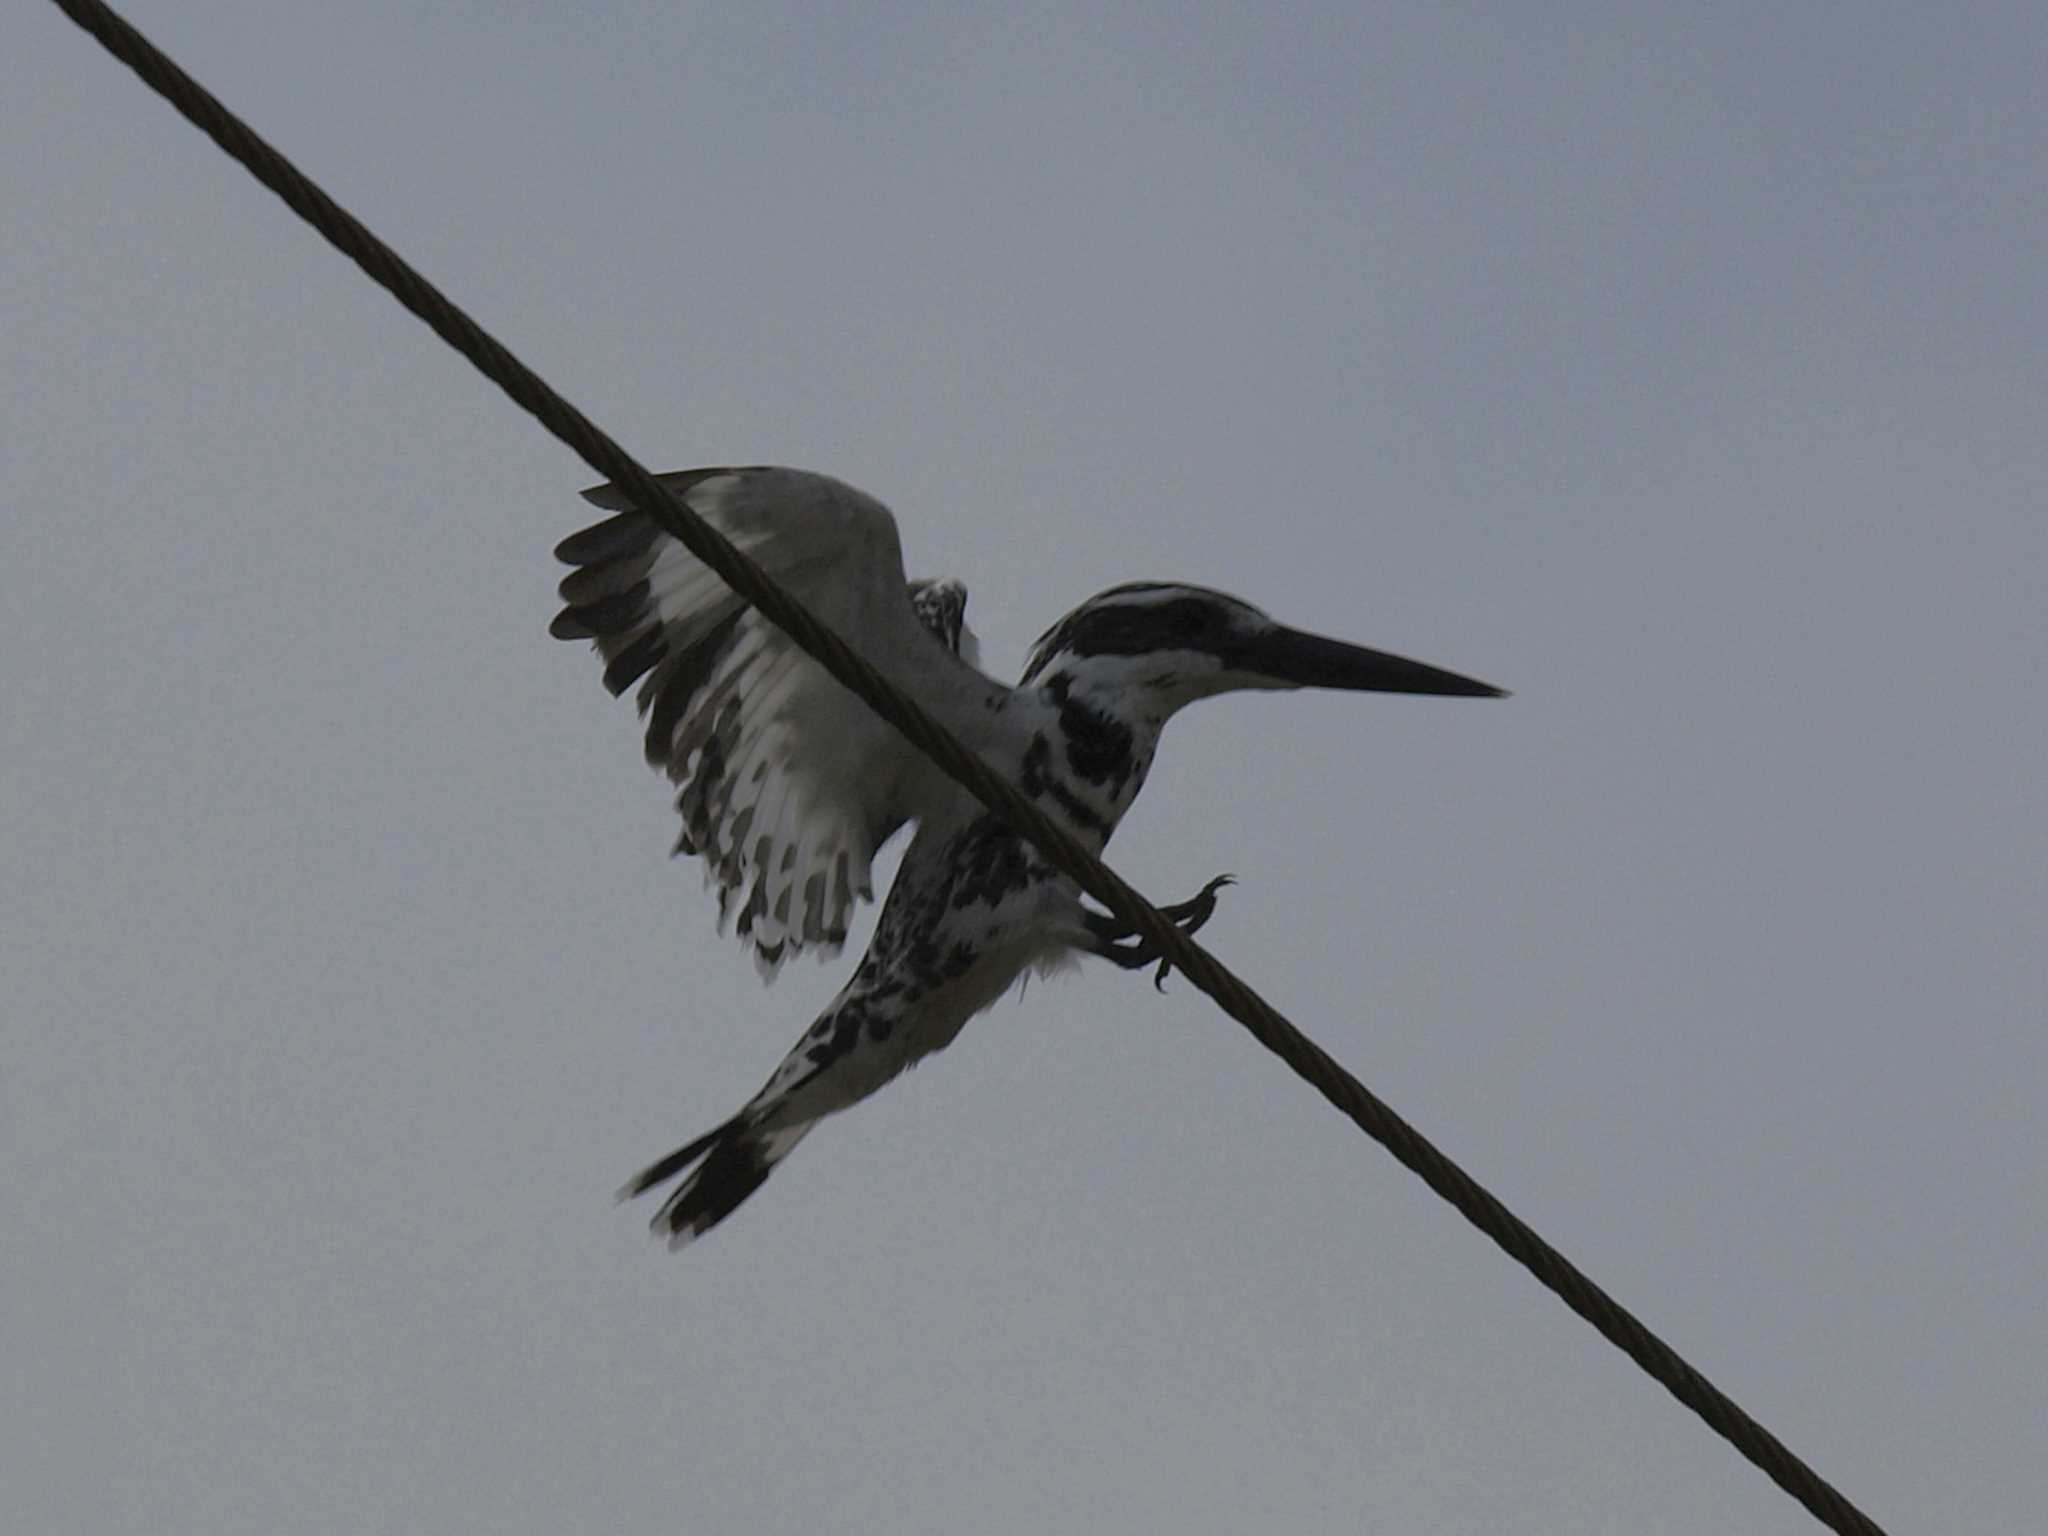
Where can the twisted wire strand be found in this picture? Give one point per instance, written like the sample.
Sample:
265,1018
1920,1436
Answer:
387,269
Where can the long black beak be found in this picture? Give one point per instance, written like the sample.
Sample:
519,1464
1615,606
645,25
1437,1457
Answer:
1297,660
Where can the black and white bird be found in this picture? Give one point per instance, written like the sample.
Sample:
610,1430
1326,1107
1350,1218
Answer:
789,784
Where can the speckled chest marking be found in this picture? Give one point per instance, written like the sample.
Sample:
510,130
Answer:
1089,762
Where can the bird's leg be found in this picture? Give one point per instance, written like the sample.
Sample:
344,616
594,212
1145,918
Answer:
1188,916
1114,939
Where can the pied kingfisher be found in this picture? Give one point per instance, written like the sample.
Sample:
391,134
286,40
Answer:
789,784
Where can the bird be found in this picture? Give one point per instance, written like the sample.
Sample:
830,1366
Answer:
787,784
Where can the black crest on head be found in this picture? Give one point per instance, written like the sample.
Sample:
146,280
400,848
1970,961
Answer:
1138,617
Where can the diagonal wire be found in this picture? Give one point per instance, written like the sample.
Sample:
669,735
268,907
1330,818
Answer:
384,266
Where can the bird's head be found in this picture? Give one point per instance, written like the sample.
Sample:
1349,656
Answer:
1178,643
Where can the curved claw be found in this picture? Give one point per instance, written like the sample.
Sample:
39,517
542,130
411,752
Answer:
1190,915
1107,935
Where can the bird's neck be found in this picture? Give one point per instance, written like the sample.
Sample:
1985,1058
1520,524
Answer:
1087,753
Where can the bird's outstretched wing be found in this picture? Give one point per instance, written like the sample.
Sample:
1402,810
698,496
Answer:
788,782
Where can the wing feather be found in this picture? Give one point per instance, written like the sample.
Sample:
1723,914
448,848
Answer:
786,783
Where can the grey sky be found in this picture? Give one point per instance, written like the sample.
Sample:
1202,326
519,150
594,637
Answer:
1681,368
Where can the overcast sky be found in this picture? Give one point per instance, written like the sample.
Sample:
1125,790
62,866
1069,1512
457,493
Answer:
1683,368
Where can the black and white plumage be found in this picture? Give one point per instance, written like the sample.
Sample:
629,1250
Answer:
789,784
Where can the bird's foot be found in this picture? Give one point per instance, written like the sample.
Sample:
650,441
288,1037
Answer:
1116,940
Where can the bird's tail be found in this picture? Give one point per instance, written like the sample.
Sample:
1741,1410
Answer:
737,1159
